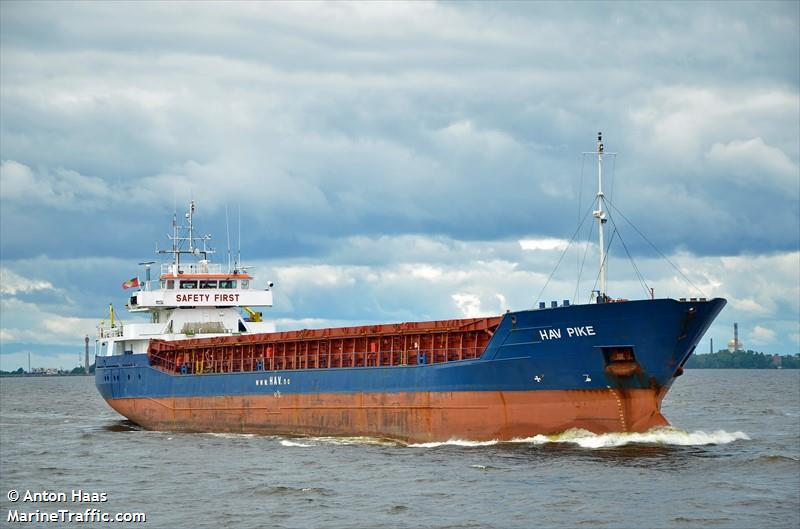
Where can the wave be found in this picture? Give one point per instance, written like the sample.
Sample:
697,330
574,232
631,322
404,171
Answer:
307,442
485,467
586,439
771,459
283,490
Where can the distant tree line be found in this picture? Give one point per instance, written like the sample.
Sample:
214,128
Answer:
724,359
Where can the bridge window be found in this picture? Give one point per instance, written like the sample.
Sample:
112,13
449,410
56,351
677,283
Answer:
227,283
245,283
170,284
188,284
208,284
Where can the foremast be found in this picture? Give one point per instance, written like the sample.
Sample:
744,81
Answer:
600,215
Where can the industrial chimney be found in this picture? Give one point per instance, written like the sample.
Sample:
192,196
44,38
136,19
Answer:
86,360
734,344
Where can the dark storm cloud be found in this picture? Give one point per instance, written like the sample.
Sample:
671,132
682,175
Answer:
343,131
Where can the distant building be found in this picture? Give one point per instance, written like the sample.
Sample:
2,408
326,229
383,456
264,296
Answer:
46,371
734,344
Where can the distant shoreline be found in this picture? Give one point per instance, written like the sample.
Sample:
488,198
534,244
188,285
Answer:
725,359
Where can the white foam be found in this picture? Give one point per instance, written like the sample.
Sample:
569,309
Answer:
661,436
343,441
228,435
454,442
286,442
358,441
586,439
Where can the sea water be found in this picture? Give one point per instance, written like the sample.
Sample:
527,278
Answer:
730,459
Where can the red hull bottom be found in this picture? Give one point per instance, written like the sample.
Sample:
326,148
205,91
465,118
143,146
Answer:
410,417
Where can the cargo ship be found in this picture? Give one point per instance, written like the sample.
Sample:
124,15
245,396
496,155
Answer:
206,361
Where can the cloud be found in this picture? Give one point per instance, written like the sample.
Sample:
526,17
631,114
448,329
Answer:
543,244
12,283
685,118
749,305
61,188
757,163
302,276
468,304
762,335
24,322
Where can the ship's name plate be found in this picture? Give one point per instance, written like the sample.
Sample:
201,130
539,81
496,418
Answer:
569,332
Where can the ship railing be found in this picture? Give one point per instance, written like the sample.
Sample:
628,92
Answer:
254,358
191,268
109,331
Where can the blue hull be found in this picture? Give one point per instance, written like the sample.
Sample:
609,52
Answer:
552,349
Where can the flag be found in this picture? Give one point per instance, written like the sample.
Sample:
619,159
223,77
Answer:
132,283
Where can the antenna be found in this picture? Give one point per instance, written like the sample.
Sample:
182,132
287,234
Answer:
177,263
182,234
189,216
228,230
239,249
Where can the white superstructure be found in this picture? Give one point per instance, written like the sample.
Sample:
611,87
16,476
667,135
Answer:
190,299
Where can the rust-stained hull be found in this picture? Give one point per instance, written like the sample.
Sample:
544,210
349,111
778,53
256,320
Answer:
410,417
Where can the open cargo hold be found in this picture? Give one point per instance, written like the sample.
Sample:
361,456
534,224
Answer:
403,344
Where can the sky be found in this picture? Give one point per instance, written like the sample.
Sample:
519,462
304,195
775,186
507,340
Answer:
390,161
